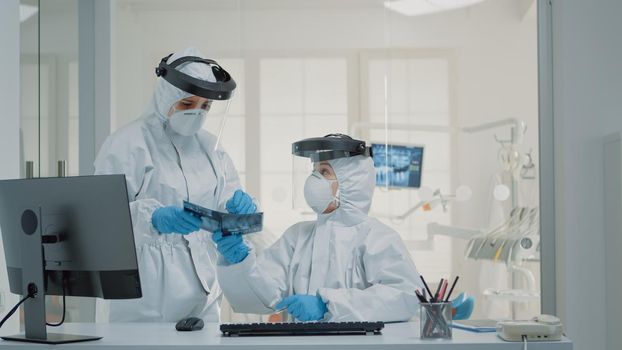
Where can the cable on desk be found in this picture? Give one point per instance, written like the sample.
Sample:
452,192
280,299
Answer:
32,292
62,320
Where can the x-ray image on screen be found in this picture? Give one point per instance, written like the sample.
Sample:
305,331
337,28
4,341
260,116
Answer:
397,165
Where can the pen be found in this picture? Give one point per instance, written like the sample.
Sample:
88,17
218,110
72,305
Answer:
443,290
452,288
438,289
420,296
426,286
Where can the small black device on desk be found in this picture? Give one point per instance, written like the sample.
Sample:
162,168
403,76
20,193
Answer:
189,324
312,328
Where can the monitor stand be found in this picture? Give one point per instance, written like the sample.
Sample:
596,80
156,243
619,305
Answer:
33,280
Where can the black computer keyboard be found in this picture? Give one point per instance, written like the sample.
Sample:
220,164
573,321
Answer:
311,328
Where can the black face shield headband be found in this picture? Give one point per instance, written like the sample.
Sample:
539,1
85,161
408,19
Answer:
329,147
222,89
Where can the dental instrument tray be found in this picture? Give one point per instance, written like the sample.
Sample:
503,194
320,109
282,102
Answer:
299,328
227,223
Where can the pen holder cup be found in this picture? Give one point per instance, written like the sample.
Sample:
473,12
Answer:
436,319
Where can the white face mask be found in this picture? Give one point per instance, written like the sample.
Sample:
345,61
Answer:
188,122
319,192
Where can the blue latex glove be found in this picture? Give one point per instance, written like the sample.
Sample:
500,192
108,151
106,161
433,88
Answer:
462,307
174,220
241,203
304,307
232,247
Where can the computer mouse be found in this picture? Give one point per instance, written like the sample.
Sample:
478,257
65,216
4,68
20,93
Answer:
189,324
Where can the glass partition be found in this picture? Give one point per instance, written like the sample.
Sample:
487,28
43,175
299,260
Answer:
49,107
460,83
29,87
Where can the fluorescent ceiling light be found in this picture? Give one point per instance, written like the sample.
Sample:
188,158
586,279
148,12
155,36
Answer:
424,7
27,11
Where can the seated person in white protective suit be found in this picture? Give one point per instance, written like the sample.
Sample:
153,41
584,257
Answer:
345,266
167,157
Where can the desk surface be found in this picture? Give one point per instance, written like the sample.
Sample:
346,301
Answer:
164,336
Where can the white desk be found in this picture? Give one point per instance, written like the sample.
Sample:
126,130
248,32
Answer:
155,336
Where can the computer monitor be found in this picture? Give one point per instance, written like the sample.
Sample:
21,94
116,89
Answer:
398,165
67,236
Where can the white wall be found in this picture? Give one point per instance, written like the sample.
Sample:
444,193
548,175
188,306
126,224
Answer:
588,90
9,132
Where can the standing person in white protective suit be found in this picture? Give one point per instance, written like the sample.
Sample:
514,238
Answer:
345,266
167,157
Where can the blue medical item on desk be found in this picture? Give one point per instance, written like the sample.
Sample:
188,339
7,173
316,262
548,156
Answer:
227,223
300,328
476,326
397,165
463,306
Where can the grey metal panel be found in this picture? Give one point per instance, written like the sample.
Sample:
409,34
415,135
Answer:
86,82
32,263
95,100
94,52
612,184
547,158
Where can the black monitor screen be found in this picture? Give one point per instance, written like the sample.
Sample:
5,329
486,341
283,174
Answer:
397,165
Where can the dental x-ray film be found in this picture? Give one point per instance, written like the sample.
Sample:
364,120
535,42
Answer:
227,223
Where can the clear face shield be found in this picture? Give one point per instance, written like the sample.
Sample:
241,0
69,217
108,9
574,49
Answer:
208,106
217,119
315,187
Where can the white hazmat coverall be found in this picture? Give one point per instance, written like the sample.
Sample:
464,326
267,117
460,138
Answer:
359,266
177,272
